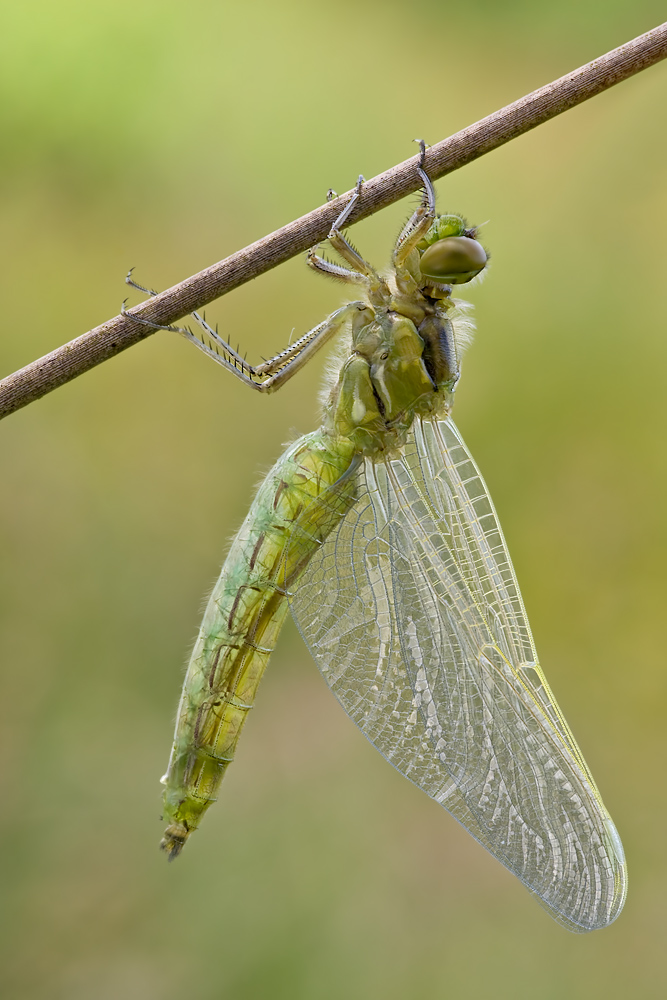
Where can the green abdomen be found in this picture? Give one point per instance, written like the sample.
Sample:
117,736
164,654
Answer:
243,618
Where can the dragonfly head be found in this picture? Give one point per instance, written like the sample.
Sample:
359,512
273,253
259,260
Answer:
449,253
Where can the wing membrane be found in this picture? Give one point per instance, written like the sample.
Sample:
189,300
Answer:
413,613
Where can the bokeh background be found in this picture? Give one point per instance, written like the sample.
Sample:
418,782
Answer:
165,135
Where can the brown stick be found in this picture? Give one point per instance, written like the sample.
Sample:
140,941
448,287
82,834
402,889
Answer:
117,334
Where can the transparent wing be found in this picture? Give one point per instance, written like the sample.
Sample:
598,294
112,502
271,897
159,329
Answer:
412,611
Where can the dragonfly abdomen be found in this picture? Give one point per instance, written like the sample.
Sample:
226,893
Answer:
243,618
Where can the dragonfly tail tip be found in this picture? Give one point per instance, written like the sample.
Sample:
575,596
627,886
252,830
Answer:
173,840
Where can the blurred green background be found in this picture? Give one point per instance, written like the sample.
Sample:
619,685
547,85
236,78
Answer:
165,135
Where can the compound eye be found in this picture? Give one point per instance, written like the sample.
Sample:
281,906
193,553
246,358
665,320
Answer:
454,260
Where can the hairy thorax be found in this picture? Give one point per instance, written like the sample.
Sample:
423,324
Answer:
403,363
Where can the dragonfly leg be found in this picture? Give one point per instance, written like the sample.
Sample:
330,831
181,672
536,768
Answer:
139,319
336,239
345,214
271,374
129,280
336,271
420,221
236,363
283,366
325,266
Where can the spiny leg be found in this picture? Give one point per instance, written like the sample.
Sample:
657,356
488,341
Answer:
271,374
420,221
336,271
337,240
227,349
283,366
345,214
328,267
276,371
139,319
429,192
362,270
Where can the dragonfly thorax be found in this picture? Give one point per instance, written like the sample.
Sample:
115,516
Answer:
383,385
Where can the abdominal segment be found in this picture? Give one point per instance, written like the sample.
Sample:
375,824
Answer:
242,621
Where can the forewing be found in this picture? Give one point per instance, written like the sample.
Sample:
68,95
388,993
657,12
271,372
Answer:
412,611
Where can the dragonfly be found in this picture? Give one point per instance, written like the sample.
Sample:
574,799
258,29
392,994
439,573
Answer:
379,533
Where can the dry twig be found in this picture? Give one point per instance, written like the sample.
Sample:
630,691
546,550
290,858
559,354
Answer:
117,334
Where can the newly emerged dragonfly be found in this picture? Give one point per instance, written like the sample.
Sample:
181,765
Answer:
379,532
